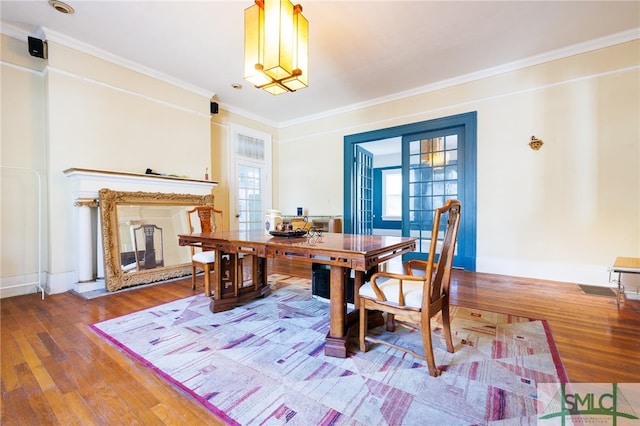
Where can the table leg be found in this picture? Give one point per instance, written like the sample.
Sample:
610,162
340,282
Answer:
228,292
336,341
260,286
217,282
620,290
224,282
341,324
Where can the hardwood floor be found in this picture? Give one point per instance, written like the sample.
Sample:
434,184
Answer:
56,371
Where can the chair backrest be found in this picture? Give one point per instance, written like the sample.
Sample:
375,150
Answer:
148,239
210,218
441,279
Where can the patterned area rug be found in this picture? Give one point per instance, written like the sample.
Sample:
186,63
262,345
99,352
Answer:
264,363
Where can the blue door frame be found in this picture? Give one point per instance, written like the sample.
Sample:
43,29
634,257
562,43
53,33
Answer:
466,256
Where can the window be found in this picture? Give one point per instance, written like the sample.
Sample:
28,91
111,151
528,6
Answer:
392,194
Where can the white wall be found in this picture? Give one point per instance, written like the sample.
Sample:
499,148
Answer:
562,213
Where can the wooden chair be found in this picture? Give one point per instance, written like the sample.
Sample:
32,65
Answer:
211,220
417,298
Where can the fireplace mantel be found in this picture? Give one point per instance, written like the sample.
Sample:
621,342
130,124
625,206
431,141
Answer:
88,182
84,188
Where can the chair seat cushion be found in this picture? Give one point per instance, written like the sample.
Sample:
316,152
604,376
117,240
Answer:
205,257
412,291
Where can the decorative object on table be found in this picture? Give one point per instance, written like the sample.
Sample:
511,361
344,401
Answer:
289,234
314,235
272,221
300,222
302,228
262,363
299,211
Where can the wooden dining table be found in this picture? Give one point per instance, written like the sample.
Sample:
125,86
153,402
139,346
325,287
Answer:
343,253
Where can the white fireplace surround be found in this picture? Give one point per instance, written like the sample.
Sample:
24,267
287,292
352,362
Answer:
85,184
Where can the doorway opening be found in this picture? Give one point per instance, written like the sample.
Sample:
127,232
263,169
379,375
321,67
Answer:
435,160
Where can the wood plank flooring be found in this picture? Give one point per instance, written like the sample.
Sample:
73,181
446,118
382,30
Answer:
54,370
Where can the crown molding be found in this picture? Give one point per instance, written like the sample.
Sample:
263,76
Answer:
64,40
20,33
576,49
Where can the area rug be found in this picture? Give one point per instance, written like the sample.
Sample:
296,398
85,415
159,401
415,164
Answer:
264,363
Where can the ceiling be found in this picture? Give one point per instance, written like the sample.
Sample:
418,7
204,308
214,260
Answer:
360,53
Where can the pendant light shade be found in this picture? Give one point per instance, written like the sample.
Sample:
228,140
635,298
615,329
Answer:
276,46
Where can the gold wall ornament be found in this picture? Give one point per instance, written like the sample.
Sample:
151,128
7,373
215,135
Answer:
535,143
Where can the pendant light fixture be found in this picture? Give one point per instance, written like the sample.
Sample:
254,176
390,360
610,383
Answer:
276,46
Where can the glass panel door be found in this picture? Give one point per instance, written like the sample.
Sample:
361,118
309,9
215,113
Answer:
250,180
250,200
363,190
430,169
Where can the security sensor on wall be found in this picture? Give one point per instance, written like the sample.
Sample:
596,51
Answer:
37,47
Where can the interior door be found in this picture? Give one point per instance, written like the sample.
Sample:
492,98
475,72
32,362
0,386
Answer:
363,192
431,168
250,212
250,183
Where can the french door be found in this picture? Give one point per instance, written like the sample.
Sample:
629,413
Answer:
438,163
250,180
430,178
363,199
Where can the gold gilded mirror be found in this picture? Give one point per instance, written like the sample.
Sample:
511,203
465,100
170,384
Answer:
140,236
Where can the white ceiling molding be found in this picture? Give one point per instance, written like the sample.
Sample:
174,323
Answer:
576,49
59,38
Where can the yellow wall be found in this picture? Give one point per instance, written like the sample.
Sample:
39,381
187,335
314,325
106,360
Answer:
100,115
564,212
23,146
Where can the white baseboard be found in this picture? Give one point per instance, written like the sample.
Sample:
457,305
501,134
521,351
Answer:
60,283
572,273
89,286
22,284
